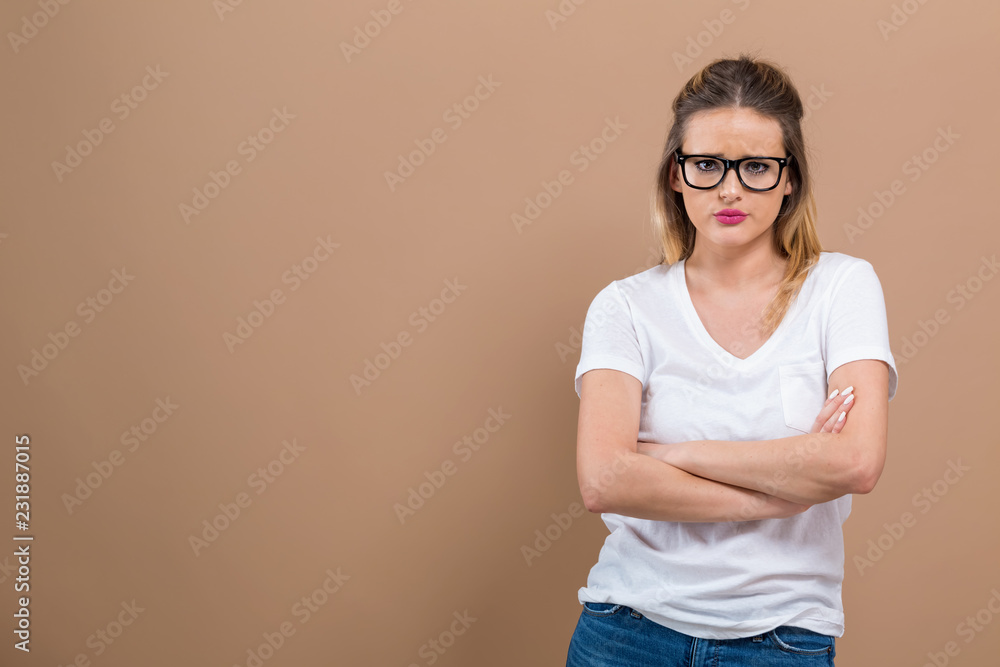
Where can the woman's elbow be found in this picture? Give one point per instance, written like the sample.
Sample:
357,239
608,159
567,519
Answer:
864,468
598,483
591,498
596,493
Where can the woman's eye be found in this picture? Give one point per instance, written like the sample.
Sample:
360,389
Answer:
756,168
707,165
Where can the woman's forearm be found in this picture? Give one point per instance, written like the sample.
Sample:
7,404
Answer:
643,487
806,469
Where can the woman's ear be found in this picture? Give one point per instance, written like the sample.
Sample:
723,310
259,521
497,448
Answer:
675,181
788,182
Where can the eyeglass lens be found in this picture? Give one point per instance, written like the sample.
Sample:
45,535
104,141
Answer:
706,172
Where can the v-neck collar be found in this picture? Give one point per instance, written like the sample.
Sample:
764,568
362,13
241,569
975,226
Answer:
694,321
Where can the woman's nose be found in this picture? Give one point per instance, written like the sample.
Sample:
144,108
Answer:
730,188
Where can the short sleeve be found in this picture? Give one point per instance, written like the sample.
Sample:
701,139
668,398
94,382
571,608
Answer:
609,337
857,326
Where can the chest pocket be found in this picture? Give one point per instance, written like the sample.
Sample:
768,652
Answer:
803,392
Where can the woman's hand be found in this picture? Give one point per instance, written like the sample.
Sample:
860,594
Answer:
833,415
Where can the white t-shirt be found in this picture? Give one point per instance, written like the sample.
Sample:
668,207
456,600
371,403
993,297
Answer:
736,579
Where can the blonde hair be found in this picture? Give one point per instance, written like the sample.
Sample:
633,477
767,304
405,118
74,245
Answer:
750,83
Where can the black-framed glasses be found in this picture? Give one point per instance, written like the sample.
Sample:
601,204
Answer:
704,172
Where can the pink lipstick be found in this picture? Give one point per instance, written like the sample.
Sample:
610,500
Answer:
730,216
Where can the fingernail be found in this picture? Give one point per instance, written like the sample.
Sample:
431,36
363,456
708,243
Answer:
848,390
834,394
848,399
841,417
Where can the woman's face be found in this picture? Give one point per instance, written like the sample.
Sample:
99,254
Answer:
732,134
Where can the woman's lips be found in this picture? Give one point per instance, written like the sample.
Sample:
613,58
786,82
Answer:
730,216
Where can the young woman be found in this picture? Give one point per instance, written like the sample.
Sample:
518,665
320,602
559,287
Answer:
714,393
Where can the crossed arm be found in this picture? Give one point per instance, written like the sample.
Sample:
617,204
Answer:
714,480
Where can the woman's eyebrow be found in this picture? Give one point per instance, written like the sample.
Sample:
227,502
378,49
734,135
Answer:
721,156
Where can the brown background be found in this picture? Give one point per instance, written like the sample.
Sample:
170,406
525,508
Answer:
498,345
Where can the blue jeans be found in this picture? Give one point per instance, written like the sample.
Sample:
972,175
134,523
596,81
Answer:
613,635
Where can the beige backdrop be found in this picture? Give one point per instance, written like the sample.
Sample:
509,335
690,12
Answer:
295,351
